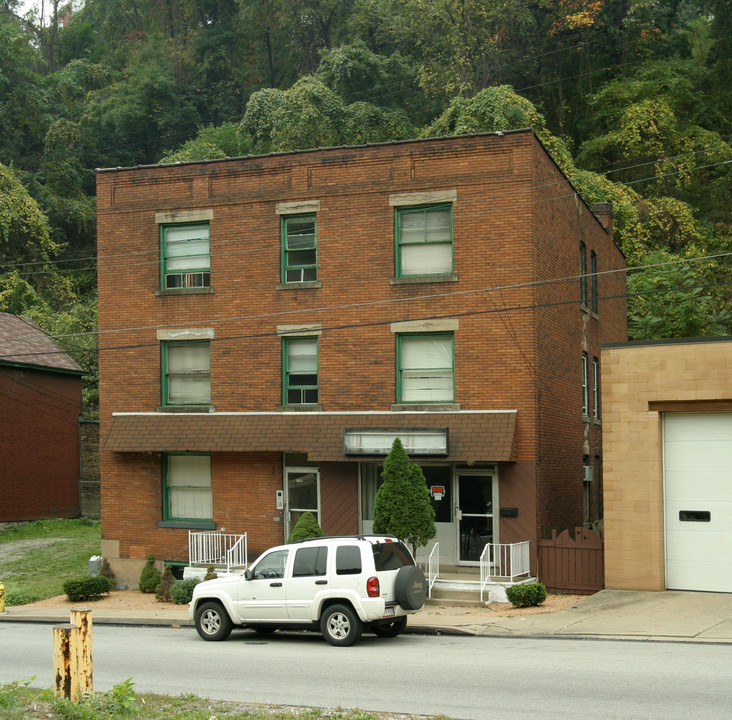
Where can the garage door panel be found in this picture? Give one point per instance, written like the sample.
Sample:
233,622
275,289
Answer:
698,480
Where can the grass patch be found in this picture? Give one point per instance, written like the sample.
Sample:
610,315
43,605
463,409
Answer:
18,701
36,558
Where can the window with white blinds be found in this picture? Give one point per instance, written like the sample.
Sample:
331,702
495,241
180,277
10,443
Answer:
424,240
426,368
186,255
186,373
187,487
300,371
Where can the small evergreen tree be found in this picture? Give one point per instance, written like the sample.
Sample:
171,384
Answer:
402,504
162,591
210,573
106,571
150,576
306,527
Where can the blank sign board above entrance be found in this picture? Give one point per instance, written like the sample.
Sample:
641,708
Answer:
427,441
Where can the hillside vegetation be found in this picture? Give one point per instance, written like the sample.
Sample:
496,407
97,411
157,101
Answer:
632,97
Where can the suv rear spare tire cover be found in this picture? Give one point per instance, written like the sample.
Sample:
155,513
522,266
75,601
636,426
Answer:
410,587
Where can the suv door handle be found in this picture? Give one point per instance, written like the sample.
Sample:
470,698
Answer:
321,582
275,584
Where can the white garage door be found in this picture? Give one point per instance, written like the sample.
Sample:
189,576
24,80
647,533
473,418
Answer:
698,497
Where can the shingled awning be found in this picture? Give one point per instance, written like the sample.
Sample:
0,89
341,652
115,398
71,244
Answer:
474,436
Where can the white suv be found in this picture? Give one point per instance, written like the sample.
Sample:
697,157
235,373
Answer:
337,583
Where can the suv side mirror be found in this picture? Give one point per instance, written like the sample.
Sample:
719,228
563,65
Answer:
248,574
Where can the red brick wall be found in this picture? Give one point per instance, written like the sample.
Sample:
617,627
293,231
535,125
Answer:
564,330
39,444
511,353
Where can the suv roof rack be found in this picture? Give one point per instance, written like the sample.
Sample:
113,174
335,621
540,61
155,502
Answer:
361,536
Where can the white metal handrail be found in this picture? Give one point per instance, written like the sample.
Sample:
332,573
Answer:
433,567
236,555
507,561
217,548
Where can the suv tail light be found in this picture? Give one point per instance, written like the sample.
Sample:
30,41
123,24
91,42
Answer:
372,587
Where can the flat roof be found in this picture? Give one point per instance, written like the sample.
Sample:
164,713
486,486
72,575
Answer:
669,341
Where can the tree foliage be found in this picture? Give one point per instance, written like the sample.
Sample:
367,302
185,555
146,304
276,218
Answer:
402,504
305,527
633,99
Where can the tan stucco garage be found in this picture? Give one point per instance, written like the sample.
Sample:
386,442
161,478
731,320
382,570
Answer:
667,449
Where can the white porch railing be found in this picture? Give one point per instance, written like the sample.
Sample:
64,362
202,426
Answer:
218,549
433,568
504,561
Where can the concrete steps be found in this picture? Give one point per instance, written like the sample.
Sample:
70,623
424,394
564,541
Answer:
453,589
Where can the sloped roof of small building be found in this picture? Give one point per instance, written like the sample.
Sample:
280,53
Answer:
24,344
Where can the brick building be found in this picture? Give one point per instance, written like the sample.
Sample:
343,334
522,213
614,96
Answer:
40,408
269,324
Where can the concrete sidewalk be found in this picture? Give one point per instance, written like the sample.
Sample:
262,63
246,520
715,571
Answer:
619,614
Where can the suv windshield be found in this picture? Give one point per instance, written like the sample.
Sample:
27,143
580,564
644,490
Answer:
391,556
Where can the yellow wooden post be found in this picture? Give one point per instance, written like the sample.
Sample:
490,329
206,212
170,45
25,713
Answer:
65,659
2,598
82,618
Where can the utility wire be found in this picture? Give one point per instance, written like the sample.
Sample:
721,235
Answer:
494,310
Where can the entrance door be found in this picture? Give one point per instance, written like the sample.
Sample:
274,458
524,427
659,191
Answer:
303,495
475,506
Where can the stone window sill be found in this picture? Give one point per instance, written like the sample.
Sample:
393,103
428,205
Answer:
164,292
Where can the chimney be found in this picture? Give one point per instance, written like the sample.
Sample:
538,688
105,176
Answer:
604,213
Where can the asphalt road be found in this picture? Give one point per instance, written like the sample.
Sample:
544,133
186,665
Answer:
461,677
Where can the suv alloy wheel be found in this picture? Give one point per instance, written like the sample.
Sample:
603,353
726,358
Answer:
213,622
340,625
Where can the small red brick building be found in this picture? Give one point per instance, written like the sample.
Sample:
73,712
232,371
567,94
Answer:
268,325
40,408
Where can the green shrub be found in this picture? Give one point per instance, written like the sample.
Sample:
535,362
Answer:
210,573
91,588
526,595
182,592
19,597
306,527
150,576
106,571
162,591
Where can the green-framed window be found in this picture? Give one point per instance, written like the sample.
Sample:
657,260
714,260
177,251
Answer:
299,248
300,371
593,281
424,240
185,254
583,274
425,368
187,491
186,371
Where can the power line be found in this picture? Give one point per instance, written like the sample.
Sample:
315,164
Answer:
495,310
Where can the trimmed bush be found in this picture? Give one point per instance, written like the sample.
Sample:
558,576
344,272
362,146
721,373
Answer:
182,592
150,576
106,571
91,588
526,595
210,573
306,527
162,591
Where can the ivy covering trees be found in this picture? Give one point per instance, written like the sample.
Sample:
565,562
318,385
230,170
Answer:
633,99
